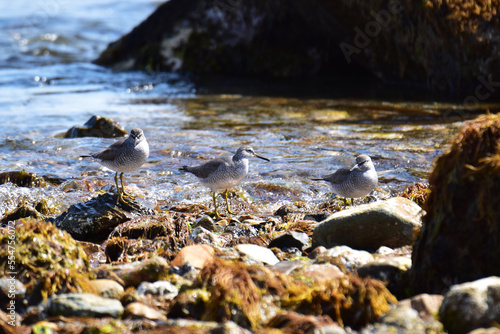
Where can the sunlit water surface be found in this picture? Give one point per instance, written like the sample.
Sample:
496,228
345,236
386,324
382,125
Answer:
307,129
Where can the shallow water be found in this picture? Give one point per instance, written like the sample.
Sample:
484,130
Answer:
306,127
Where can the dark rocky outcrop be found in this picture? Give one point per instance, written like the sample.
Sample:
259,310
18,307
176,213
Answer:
460,239
97,126
95,220
451,46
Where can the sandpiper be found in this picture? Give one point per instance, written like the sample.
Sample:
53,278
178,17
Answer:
223,173
358,181
124,156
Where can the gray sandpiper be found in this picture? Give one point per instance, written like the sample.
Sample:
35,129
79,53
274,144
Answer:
124,156
358,181
223,173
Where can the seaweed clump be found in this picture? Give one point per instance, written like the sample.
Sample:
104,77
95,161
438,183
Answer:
250,294
22,179
46,259
417,193
463,220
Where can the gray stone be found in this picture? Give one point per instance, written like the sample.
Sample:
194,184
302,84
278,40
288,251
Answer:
258,253
97,126
159,288
84,305
94,220
471,305
11,287
403,320
351,258
392,223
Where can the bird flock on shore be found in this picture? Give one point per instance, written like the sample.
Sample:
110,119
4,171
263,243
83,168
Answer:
222,174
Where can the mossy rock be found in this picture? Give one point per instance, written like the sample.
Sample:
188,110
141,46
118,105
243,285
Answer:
460,239
22,179
46,259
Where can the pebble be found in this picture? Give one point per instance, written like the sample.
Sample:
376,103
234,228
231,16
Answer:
163,289
107,288
84,305
140,310
196,255
258,253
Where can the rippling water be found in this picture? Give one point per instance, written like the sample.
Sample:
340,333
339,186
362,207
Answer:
307,128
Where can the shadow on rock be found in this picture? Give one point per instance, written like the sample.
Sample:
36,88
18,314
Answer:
95,220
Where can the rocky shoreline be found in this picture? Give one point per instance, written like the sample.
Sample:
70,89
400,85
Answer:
106,268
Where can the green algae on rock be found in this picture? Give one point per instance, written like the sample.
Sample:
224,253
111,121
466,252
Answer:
463,220
47,260
22,179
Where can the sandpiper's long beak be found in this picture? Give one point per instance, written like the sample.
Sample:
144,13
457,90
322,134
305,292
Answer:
260,157
356,166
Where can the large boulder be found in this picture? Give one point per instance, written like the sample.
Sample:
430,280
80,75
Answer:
392,223
471,305
428,43
460,239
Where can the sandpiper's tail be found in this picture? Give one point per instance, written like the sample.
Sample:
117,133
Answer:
184,169
85,156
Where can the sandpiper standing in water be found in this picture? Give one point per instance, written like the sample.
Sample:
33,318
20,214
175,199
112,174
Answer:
223,173
357,181
124,156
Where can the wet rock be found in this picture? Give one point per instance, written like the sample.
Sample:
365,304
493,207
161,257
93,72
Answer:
139,310
207,223
196,255
284,39
393,223
107,288
257,253
348,257
23,210
97,126
201,235
22,179
468,306
95,220
491,330
151,270
84,305
163,289
426,305
290,240
463,220
187,270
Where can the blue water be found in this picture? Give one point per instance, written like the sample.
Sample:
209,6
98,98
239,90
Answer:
48,84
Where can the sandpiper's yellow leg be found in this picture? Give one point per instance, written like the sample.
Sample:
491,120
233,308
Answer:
214,195
123,188
226,193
